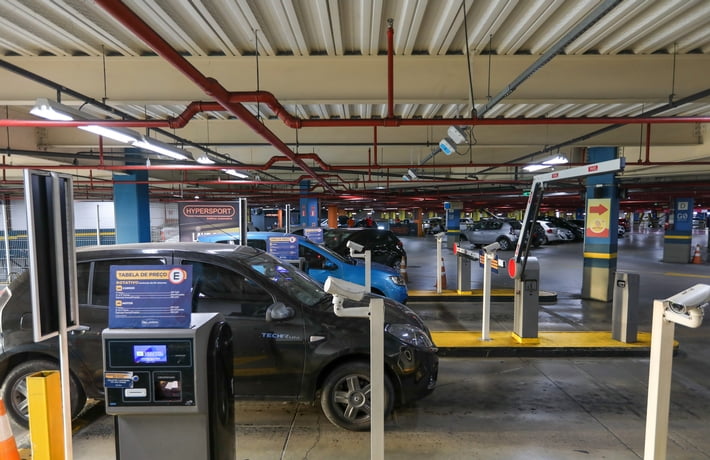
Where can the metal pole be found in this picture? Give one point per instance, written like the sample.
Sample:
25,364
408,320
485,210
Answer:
62,310
243,226
287,219
377,378
7,240
438,266
659,384
368,270
486,315
98,225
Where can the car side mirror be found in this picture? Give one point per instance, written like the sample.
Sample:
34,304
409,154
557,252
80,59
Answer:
279,312
328,265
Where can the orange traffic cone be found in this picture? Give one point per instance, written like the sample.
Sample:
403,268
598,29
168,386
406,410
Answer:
8,447
443,274
403,270
697,258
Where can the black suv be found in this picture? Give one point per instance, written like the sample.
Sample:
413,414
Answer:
386,248
288,343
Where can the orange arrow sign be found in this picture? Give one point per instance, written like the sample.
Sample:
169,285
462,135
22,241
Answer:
599,209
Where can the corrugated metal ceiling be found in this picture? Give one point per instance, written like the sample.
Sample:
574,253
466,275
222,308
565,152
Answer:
317,30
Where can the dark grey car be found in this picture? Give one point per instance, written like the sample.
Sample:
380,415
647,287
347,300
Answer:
288,343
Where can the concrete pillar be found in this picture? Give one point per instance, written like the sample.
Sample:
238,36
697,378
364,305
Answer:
678,239
310,215
131,206
601,222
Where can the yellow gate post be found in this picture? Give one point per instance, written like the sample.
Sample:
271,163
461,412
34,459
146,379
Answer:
45,410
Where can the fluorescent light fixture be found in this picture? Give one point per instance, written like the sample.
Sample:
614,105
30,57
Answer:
50,110
123,135
405,177
235,173
203,159
44,108
551,161
160,147
412,174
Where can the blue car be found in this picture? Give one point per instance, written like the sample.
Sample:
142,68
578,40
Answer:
319,262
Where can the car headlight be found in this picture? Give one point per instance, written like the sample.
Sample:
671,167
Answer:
398,280
409,334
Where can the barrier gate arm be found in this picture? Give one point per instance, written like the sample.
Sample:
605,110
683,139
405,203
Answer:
516,266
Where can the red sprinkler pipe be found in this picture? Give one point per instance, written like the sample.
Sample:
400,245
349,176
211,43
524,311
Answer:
390,69
209,85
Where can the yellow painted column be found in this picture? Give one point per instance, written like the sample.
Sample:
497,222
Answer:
46,421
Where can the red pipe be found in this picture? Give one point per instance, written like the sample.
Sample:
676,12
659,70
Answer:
648,143
209,85
390,70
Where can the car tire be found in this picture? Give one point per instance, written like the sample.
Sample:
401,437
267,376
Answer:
545,240
345,398
14,390
505,244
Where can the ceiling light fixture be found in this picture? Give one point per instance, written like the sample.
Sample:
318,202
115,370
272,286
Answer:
551,161
159,147
235,173
50,110
203,159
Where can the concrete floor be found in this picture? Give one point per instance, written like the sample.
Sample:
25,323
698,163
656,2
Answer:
553,407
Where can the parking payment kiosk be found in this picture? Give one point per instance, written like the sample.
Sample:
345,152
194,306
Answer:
170,390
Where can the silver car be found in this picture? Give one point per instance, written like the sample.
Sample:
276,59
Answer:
482,232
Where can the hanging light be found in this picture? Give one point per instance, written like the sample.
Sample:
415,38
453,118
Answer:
549,162
235,173
50,110
162,148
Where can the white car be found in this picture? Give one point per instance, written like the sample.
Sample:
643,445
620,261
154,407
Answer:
551,233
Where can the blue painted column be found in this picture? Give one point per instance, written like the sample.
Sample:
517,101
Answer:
453,223
310,215
678,239
131,206
601,227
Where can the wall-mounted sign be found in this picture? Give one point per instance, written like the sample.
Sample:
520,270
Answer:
598,217
196,218
146,296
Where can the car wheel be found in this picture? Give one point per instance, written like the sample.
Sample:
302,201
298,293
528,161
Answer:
345,398
505,244
14,390
545,240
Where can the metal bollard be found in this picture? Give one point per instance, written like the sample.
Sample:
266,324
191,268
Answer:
624,322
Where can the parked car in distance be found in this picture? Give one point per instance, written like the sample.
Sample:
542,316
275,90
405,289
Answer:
552,233
320,262
288,343
433,225
577,231
465,222
487,231
386,248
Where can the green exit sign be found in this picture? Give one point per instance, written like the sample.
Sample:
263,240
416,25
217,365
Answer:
526,192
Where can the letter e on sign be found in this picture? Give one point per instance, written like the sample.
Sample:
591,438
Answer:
177,275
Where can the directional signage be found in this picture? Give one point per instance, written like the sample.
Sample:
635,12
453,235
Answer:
598,217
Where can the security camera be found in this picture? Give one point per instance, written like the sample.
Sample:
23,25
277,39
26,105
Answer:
353,246
691,299
440,235
493,247
687,307
341,290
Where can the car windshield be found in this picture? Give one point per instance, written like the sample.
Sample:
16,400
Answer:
295,283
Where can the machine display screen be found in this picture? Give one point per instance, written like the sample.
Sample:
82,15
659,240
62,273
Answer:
150,354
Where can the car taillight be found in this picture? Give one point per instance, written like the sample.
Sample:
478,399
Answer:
549,230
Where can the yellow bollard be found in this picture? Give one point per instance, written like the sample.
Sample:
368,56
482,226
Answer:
46,421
